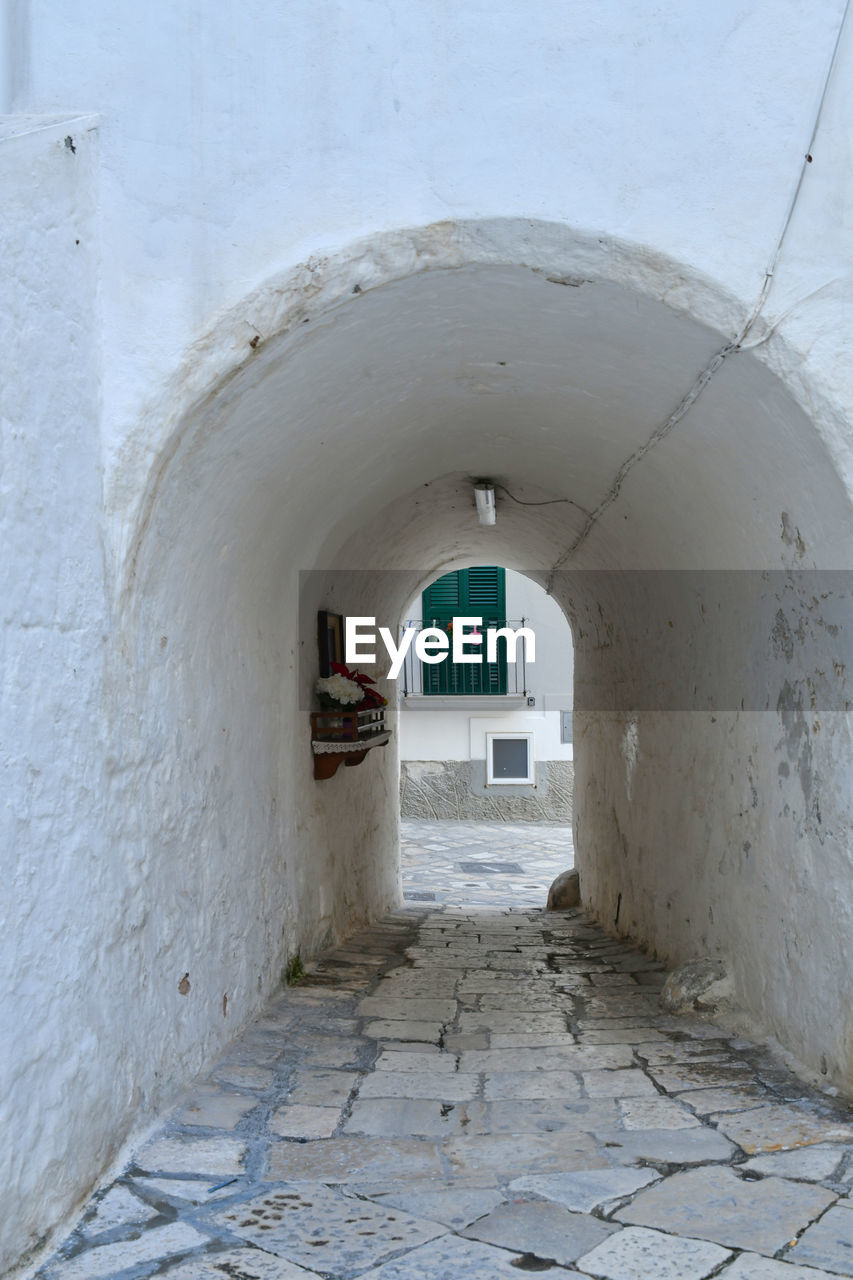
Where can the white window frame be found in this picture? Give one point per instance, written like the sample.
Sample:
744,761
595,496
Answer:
491,780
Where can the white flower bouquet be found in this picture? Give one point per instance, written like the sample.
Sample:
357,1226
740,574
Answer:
338,693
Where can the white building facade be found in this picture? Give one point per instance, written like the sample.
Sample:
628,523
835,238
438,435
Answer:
450,743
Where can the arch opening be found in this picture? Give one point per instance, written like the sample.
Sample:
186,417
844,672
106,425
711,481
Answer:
334,470
455,717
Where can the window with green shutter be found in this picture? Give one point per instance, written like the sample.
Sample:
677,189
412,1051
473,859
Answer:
481,593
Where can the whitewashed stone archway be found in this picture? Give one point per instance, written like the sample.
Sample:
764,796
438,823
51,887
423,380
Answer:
330,423
333,422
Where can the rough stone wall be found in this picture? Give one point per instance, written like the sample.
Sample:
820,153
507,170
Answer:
456,790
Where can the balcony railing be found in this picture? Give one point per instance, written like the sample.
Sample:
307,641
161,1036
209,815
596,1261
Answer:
503,678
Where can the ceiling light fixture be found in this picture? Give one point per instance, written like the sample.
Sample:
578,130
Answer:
484,496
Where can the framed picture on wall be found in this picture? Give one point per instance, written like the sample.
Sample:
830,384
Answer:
330,640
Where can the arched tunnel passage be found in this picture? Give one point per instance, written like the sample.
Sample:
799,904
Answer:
343,450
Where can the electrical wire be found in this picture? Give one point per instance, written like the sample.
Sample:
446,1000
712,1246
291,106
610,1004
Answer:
730,348
547,503
808,157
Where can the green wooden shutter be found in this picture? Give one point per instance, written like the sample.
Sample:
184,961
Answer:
439,603
478,592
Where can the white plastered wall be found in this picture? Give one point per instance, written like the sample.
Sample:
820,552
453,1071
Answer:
61,889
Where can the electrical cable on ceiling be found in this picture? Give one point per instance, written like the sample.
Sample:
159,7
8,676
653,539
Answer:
547,503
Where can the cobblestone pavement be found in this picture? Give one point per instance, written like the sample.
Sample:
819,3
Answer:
475,1088
482,865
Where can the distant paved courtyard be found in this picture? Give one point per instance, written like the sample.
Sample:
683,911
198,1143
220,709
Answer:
473,1089
482,864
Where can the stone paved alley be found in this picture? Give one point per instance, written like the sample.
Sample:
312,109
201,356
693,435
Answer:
476,1088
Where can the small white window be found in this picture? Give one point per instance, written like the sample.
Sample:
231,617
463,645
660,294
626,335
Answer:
509,759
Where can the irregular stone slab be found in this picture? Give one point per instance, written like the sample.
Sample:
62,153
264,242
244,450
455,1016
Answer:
544,1230
402,1118
159,1243
547,1115
323,1088
635,963
456,1206
641,1025
639,1254
666,1146
812,1164
621,1004
401,1060
327,1051
214,1108
586,1189
251,1053
192,1155
515,1023
531,1084
707,1102
688,1052
524,1001
411,1046
655,1113
699,1074
456,1043
323,1229
621,1035
189,1190
357,958
238,1264
117,1208
314,996
715,1204
388,1029
454,1258
516,1154
273,1019
527,1040
625,1083
479,981
351,1159
827,1244
258,1078
778,1128
749,1266
305,1122
411,1008
446,1087
418,983
572,1058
